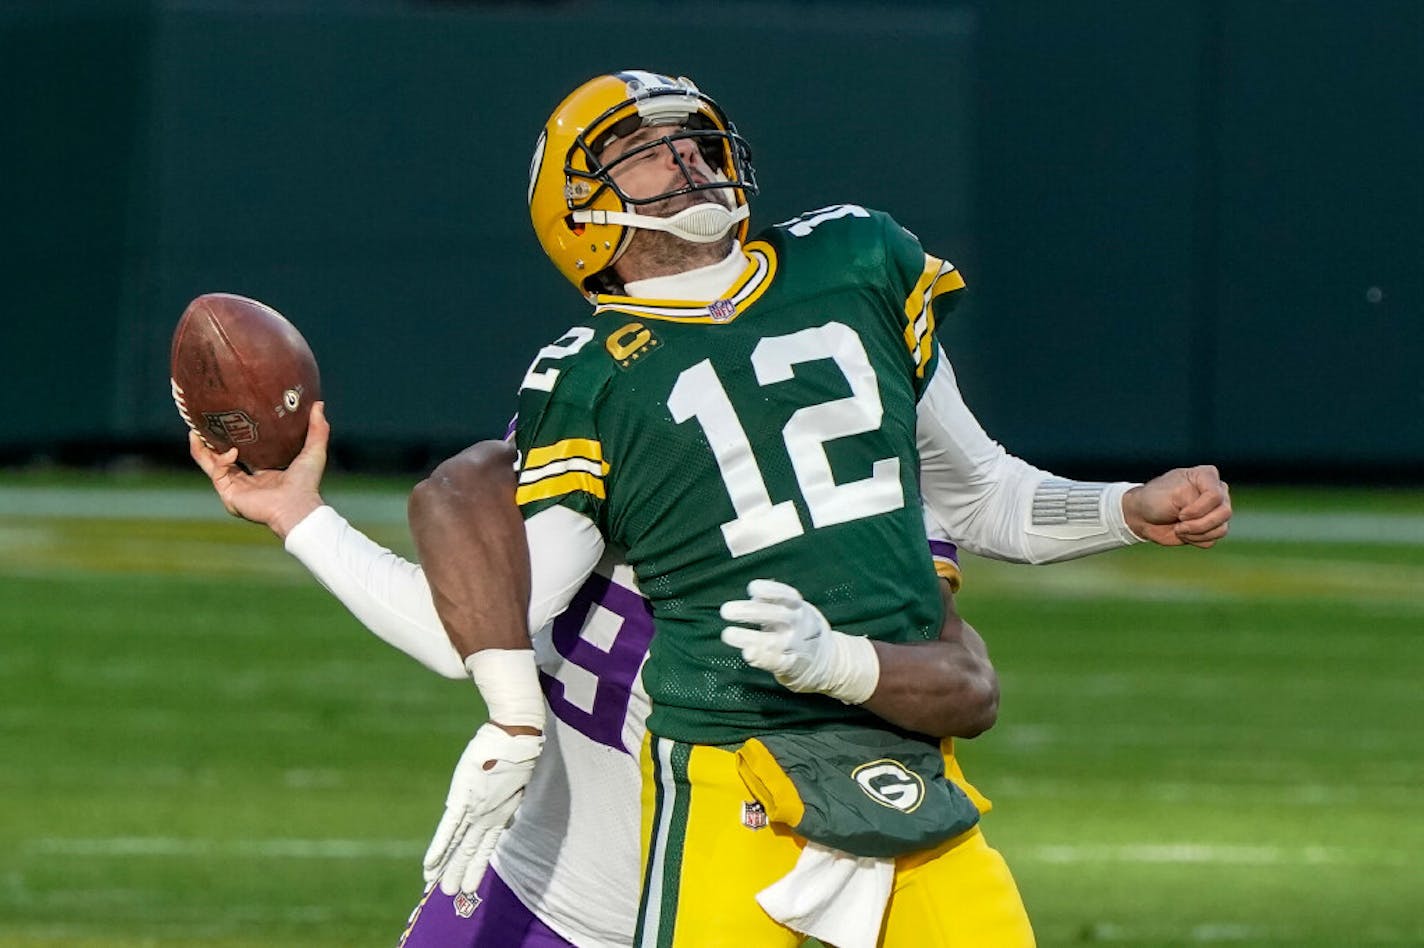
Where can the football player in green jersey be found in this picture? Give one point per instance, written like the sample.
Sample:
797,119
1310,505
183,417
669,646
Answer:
741,410
736,411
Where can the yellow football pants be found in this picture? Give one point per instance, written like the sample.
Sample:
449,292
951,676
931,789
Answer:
703,865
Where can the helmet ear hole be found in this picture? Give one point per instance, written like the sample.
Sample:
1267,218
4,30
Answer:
575,228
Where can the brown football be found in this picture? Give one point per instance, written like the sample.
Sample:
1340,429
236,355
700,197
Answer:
244,377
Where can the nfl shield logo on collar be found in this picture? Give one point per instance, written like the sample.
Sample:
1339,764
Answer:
466,903
721,310
753,815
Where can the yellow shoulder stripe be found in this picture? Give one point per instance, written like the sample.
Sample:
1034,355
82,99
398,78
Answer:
562,468
947,283
561,484
936,279
560,450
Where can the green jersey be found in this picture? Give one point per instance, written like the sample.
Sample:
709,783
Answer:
767,434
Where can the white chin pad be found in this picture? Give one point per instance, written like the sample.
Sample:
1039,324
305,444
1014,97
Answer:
699,224
702,223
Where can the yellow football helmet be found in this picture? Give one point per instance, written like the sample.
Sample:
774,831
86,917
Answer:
582,218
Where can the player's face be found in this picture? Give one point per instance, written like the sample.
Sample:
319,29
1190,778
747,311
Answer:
657,170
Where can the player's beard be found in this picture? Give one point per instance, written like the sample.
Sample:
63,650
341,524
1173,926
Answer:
653,253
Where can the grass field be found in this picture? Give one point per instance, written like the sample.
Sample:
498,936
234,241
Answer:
198,747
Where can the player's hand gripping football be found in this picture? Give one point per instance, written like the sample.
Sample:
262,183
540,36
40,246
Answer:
781,633
279,499
1186,505
488,784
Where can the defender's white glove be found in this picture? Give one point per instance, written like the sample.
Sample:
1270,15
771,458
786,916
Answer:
488,784
793,641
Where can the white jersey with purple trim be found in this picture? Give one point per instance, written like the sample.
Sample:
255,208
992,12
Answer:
571,854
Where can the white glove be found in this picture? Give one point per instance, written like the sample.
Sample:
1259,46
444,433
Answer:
794,642
488,784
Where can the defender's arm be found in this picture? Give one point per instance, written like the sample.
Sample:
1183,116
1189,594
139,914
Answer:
945,688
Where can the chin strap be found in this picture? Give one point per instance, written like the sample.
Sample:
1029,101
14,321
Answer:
700,224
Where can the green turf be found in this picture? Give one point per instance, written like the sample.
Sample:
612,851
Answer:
200,748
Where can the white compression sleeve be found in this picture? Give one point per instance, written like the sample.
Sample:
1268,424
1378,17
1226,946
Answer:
388,594
564,547
998,505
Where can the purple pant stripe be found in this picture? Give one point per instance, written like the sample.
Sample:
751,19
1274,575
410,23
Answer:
495,918
945,550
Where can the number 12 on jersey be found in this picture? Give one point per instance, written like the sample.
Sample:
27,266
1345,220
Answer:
699,394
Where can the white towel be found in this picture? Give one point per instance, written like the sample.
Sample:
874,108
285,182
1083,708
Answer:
833,896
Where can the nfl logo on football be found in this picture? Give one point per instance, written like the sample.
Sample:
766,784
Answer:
753,815
236,425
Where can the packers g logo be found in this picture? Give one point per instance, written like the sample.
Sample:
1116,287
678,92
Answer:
890,784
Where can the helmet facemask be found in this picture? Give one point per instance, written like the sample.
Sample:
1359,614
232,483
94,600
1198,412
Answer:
685,113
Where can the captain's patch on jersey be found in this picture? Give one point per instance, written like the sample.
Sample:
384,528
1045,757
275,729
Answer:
631,343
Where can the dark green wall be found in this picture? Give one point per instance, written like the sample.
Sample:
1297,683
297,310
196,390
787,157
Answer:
1318,308
1191,228
72,76
1080,347
1201,224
